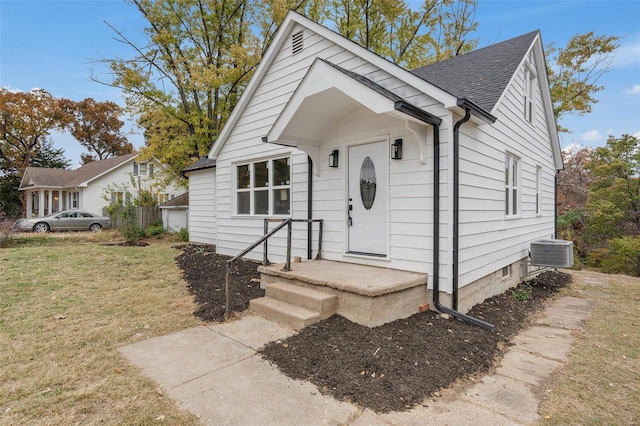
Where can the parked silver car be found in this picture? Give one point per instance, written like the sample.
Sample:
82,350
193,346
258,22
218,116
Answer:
67,220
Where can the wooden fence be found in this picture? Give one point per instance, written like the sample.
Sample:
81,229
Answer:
146,217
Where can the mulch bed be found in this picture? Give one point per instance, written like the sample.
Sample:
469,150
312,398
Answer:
388,368
205,273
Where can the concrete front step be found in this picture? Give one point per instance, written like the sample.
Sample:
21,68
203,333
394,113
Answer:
308,298
284,312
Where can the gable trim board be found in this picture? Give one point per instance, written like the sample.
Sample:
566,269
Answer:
334,93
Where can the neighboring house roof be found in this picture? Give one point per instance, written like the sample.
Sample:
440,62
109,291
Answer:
177,202
202,163
481,75
45,177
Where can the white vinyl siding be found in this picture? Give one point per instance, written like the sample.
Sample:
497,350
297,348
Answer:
202,216
490,240
410,216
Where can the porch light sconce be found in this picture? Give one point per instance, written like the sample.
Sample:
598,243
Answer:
396,150
333,158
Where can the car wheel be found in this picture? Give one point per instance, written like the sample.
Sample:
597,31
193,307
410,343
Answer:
41,227
95,227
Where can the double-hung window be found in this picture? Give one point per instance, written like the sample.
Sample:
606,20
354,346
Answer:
511,185
73,200
529,80
264,187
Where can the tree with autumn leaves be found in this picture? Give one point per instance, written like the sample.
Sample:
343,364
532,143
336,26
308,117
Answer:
97,126
599,204
198,56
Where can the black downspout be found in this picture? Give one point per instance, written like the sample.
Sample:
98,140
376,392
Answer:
555,205
456,202
436,237
309,205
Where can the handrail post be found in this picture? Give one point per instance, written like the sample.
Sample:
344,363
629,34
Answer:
287,265
265,258
320,224
227,287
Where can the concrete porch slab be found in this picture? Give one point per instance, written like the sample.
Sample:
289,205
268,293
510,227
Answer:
370,281
368,295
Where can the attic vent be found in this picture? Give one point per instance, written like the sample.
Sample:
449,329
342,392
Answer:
555,253
296,43
530,58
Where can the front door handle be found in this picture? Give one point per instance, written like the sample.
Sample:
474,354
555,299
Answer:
349,220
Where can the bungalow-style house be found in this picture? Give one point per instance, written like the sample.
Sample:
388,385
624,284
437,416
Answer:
51,190
445,172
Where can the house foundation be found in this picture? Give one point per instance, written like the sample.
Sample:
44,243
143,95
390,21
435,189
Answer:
495,283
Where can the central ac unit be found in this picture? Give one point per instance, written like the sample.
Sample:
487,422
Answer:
555,253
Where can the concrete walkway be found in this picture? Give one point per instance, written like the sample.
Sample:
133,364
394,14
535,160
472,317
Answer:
215,372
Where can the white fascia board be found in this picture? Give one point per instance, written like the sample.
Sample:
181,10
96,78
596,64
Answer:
25,181
541,69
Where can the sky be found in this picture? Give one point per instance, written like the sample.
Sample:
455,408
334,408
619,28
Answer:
57,44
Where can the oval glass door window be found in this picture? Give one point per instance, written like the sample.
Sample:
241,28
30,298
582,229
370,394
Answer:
368,183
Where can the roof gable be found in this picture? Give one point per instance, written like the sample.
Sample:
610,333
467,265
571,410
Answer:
42,176
292,23
478,78
481,75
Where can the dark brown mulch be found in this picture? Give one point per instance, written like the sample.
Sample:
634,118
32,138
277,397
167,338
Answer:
205,274
388,368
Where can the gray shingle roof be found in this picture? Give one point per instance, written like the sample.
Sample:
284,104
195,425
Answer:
179,201
481,75
202,163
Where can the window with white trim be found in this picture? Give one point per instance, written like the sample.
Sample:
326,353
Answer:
529,80
263,187
512,185
538,190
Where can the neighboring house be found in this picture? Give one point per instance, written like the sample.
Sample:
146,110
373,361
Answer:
446,170
175,213
51,190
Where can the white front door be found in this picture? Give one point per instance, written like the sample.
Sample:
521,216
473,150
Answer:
367,207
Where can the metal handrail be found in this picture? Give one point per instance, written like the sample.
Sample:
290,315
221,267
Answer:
263,239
